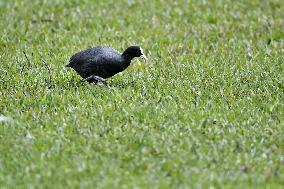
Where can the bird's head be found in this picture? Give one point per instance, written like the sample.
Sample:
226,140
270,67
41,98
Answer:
134,51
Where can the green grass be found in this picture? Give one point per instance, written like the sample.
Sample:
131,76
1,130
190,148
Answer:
206,111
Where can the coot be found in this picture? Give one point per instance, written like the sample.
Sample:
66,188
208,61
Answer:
101,62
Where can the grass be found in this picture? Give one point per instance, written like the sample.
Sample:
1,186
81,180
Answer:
206,111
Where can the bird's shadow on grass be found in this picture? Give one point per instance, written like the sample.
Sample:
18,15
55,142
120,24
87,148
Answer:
65,85
76,84
121,84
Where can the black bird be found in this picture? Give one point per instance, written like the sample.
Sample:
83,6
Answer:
98,63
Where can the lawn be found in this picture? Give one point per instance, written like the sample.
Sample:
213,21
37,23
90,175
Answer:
205,111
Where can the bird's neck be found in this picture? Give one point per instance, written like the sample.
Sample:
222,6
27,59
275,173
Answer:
124,64
127,62
127,56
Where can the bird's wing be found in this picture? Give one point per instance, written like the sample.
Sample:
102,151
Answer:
93,53
99,61
84,56
102,65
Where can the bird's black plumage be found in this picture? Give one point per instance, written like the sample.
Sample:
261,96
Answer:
103,62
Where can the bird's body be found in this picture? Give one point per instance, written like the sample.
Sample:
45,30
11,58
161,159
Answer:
102,62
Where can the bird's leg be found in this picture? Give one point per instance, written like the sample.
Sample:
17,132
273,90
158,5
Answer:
94,79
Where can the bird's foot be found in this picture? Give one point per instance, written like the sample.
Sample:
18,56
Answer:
94,79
